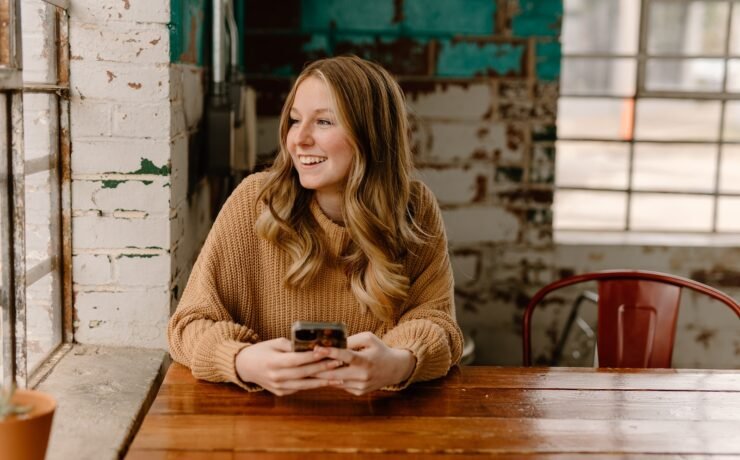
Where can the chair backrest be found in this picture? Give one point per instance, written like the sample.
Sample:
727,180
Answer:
638,311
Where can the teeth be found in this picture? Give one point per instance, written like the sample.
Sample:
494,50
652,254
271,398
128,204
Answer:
306,160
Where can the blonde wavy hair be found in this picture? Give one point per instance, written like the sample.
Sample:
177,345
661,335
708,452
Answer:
378,205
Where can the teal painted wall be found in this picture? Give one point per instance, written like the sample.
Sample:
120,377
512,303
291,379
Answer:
188,21
445,38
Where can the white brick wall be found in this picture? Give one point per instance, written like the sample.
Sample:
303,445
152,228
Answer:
480,224
131,114
125,11
458,102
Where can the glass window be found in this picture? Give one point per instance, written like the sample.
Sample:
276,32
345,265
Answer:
687,28
735,32
729,171
594,118
731,130
42,106
674,167
733,75
590,210
675,119
650,124
592,164
598,77
600,26
684,74
671,212
728,215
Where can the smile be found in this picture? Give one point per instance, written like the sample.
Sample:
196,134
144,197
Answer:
311,160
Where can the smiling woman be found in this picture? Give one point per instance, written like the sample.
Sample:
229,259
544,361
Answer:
335,231
319,146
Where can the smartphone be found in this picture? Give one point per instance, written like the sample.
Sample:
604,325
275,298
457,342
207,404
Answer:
307,335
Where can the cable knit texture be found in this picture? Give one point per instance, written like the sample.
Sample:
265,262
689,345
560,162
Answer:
236,295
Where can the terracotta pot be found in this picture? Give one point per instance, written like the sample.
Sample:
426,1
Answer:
26,436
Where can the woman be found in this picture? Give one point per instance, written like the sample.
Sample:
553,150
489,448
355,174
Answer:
335,231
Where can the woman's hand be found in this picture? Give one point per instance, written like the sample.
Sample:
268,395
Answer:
276,368
369,364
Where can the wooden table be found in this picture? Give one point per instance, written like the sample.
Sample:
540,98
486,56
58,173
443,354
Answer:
516,412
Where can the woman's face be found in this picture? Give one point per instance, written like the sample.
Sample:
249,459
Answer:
318,145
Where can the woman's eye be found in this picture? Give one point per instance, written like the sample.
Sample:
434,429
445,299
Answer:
292,121
324,122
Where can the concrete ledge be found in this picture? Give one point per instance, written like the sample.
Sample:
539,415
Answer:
102,394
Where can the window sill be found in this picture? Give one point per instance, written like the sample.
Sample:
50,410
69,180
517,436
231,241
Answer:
580,238
102,395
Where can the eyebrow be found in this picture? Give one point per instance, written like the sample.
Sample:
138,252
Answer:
317,111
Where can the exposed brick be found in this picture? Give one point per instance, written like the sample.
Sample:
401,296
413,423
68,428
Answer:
126,83
459,185
480,224
90,118
469,59
465,267
442,142
115,155
130,195
106,11
121,42
93,232
466,101
144,270
340,14
453,17
125,318
145,121
92,269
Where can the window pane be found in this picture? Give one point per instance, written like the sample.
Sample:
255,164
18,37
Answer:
671,212
733,75
735,34
43,297
684,74
687,28
674,167
38,21
589,210
600,26
598,76
673,120
594,118
729,172
591,164
728,214
732,121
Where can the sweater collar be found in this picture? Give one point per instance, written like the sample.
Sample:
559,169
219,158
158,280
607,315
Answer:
335,233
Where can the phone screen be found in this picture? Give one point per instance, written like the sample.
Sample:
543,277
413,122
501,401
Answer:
307,335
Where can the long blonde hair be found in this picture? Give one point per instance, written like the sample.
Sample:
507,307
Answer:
378,203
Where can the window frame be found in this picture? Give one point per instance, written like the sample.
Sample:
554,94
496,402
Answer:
16,276
641,92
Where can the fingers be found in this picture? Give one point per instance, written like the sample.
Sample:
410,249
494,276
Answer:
361,340
292,386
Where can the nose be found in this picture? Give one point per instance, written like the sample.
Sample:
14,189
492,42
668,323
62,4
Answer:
304,136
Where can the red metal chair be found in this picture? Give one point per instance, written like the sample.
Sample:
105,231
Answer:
637,313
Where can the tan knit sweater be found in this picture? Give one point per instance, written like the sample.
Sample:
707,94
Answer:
236,296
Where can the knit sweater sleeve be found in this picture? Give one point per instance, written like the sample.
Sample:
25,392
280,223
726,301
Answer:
427,327
203,333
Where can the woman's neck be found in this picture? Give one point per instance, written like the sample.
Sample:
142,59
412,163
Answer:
331,205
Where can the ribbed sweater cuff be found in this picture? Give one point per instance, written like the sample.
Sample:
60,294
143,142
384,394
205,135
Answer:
224,363
428,343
